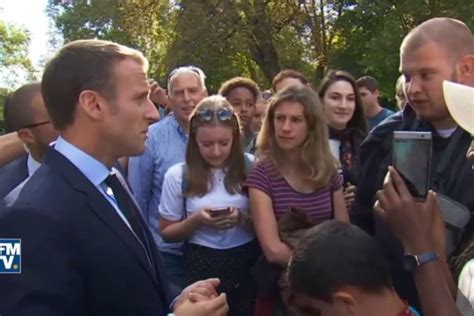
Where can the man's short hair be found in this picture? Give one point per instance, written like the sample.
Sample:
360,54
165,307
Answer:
192,70
78,66
335,254
368,82
18,111
240,82
453,35
288,73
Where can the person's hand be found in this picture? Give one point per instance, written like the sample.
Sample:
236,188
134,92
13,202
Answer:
215,306
230,220
221,222
202,290
415,224
349,195
158,94
470,152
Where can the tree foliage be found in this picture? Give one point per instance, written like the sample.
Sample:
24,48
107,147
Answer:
15,65
258,38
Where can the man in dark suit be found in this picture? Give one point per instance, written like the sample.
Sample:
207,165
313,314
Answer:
85,248
26,114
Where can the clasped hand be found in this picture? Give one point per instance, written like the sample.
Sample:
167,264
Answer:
201,299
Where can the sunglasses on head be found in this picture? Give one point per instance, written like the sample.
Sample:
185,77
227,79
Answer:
193,69
222,114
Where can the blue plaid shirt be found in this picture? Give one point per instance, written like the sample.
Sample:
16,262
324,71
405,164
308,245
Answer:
165,147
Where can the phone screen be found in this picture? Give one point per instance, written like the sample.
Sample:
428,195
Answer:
219,211
412,159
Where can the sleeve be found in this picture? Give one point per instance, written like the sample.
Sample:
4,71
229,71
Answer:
49,284
258,179
171,202
466,282
140,170
336,182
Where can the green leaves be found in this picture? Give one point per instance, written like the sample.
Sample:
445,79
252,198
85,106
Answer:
258,38
14,61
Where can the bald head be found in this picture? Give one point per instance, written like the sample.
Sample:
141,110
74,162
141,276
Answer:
19,108
452,35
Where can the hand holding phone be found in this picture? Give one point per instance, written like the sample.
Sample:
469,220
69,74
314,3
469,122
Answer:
215,212
412,160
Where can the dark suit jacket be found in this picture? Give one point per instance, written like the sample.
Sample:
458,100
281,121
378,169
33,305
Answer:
78,257
12,174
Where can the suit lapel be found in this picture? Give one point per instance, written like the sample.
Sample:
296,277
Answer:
101,208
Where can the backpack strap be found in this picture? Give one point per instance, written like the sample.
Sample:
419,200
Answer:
184,188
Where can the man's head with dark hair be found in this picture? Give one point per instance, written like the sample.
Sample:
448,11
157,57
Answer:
98,96
26,114
368,82
286,78
369,93
334,268
79,66
18,108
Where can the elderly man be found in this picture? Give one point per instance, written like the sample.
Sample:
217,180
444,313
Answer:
165,147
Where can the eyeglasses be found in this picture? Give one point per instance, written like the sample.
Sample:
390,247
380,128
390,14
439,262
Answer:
223,114
36,124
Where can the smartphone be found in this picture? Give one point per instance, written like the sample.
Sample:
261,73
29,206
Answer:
412,159
219,211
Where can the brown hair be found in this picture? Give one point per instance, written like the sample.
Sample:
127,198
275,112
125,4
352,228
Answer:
368,82
239,82
18,110
199,174
358,120
288,73
78,66
315,152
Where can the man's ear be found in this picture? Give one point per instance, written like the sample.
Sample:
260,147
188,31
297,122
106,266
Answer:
465,70
92,104
345,301
26,136
376,93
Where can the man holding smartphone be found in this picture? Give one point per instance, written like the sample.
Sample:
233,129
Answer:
438,49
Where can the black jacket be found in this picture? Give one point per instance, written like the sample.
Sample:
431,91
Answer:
455,181
78,256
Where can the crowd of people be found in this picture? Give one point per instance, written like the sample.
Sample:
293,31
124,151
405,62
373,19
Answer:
131,199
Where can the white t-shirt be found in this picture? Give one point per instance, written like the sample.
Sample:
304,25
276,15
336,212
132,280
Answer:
465,297
171,208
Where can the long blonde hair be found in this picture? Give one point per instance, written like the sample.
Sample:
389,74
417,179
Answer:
199,175
315,152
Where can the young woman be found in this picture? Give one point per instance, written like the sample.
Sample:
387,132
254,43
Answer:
296,170
347,125
209,210
242,94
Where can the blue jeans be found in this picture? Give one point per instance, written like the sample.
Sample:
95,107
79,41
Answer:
174,269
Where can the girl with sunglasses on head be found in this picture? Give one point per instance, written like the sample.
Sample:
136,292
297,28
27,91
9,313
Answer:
202,203
295,170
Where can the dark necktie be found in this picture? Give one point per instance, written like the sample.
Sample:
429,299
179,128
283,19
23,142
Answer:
129,210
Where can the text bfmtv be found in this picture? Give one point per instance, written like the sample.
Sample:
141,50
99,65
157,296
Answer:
10,255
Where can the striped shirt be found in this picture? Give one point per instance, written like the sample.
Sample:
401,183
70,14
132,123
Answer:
318,205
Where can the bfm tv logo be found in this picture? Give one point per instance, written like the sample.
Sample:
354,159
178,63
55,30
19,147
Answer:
10,255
